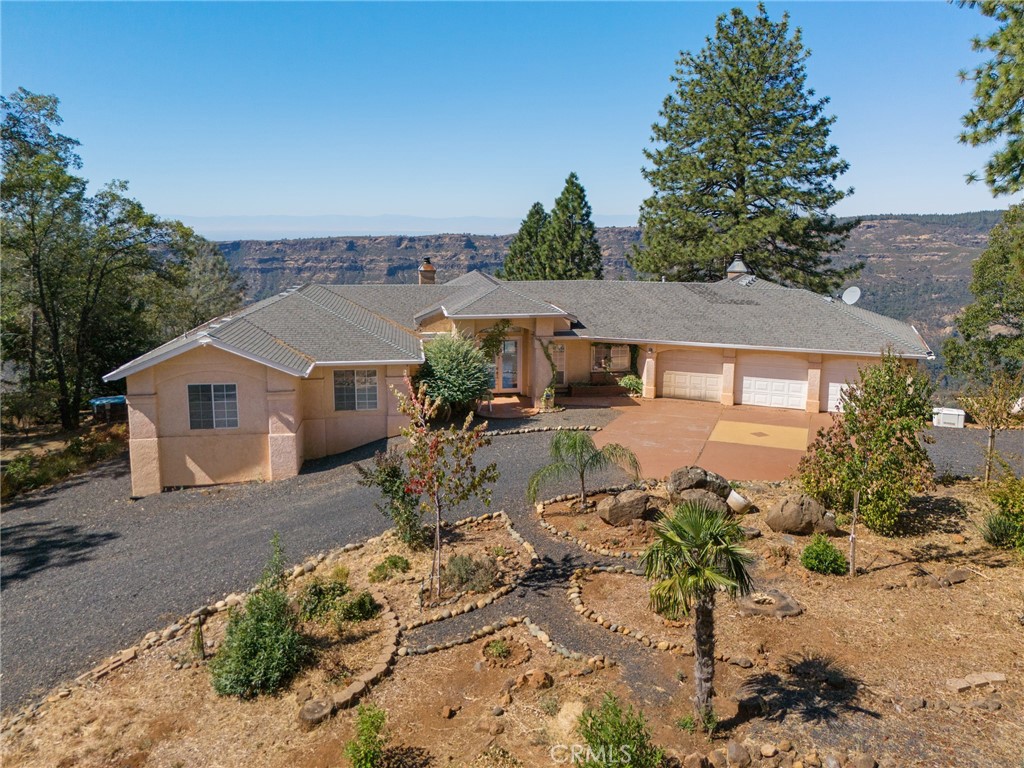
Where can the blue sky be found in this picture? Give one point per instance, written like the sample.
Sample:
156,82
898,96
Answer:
444,110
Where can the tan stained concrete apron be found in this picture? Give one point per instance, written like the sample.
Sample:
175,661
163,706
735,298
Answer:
738,442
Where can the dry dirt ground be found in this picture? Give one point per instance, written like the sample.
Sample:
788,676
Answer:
850,674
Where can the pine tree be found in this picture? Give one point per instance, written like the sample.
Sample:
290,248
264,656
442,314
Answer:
998,111
521,262
569,248
743,164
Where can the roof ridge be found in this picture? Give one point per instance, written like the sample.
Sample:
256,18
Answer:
505,286
351,322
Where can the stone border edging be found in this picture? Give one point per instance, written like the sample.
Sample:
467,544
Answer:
315,711
596,662
532,430
485,600
574,594
565,535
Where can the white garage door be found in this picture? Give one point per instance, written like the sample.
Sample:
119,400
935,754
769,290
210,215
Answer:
691,375
835,375
773,381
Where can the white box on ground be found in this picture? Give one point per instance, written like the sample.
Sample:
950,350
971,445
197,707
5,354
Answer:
948,417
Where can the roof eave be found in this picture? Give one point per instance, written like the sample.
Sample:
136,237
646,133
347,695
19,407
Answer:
200,341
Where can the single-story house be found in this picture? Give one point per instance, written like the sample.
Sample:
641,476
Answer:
310,372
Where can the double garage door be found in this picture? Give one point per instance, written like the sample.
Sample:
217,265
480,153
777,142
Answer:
772,381
690,375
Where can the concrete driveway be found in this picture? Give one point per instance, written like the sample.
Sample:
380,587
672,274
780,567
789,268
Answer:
739,442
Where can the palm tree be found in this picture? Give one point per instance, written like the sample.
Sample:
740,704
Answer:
697,553
573,454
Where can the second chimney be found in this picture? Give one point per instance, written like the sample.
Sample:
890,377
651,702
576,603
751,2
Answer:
427,272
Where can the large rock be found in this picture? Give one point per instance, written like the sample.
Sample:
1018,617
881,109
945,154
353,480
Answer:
687,478
700,496
737,755
624,508
802,515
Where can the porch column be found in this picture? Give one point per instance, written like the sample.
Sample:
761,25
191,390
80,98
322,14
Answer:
650,373
395,382
284,454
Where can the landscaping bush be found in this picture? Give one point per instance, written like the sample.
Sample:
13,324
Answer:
366,750
822,556
634,384
463,572
401,505
873,446
1005,527
319,598
615,737
391,565
362,607
456,372
498,649
262,648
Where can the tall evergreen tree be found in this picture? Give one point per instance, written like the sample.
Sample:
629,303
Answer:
743,164
521,263
569,248
998,111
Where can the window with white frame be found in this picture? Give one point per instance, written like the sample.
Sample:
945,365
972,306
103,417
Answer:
212,406
611,357
557,352
355,390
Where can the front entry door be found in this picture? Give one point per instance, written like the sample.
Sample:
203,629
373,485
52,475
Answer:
506,366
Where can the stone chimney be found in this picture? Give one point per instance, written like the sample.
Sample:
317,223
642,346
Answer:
427,272
737,269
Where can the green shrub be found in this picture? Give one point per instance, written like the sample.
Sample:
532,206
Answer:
262,648
463,572
456,372
391,565
615,737
633,383
359,608
26,471
822,556
366,750
319,598
401,505
498,649
1005,527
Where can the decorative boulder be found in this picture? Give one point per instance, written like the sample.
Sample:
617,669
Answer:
688,478
711,500
802,515
624,508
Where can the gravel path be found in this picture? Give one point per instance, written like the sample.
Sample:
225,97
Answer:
86,571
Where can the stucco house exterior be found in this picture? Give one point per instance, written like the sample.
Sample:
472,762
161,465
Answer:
309,373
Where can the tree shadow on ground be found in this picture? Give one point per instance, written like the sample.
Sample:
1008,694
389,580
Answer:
32,547
407,757
933,514
815,689
115,468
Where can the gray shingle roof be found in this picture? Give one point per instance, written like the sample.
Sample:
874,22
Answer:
377,323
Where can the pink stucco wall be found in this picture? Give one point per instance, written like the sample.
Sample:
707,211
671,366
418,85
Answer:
282,421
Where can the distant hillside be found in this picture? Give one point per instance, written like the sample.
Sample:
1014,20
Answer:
916,267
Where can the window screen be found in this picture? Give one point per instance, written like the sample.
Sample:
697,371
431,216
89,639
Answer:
212,406
355,390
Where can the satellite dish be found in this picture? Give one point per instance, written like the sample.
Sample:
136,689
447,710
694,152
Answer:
851,294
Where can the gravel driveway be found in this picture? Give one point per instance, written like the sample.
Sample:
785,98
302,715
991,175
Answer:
86,571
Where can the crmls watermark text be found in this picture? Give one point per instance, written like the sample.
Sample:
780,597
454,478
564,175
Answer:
571,754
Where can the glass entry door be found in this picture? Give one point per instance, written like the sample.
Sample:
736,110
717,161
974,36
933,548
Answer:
506,367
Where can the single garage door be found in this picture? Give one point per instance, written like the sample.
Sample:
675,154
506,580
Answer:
835,375
691,375
773,381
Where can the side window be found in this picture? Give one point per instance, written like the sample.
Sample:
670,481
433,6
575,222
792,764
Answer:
613,357
558,358
212,406
355,390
